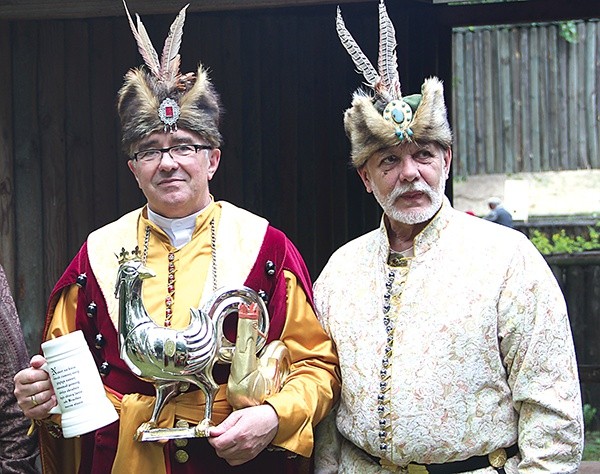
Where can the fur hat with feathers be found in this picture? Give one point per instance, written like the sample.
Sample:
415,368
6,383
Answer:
149,87
382,117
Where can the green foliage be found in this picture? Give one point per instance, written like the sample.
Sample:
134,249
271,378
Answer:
568,31
591,450
563,243
589,413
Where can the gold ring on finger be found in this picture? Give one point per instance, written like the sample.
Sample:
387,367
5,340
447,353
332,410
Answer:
34,401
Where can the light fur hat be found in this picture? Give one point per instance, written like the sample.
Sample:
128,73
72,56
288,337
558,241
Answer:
382,117
158,97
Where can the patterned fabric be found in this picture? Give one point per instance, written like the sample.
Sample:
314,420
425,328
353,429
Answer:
17,450
482,354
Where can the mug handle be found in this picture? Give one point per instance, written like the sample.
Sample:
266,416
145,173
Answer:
55,410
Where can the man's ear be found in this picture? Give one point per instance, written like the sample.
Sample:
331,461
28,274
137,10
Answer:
447,161
363,172
213,162
131,166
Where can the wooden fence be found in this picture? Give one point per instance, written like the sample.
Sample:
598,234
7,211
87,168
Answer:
525,99
579,278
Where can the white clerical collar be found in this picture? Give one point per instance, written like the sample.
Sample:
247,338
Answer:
178,230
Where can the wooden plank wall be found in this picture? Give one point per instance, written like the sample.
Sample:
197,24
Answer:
285,81
525,99
579,279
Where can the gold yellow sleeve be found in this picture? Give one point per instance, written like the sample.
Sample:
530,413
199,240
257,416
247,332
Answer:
63,317
313,385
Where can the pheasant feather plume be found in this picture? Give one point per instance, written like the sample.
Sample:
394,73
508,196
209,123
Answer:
167,69
145,46
169,63
360,60
388,63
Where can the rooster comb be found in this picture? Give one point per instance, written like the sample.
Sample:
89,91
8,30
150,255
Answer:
157,97
383,117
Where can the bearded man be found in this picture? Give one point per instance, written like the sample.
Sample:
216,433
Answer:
452,334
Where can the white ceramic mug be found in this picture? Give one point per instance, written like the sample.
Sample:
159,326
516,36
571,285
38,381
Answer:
82,401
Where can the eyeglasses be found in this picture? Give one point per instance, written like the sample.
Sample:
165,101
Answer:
176,152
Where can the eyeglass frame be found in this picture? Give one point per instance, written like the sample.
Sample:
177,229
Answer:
196,146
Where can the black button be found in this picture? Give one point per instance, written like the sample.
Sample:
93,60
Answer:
263,296
100,341
104,368
270,268
91,310
81,280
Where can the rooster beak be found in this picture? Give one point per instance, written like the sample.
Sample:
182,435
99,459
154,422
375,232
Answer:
147,273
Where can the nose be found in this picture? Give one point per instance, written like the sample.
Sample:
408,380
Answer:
408,169
167,162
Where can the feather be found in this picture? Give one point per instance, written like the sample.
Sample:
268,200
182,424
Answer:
144,44
388,63
169,62
360,60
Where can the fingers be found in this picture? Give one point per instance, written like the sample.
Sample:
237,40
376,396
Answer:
34,392
34,401
244,434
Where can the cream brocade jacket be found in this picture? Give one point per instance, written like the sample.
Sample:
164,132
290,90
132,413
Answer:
482,357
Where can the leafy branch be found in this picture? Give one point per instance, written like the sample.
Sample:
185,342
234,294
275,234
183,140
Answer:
560,242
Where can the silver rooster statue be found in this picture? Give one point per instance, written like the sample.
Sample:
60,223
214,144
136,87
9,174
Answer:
164,356
169,357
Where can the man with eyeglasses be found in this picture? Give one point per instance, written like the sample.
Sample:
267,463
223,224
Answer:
195,246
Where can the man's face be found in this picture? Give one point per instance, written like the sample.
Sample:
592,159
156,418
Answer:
408,180
175,187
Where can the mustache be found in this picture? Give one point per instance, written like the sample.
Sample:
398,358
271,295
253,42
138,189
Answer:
401,189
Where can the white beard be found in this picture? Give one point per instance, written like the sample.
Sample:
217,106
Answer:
416,216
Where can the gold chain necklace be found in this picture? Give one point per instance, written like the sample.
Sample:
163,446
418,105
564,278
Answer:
170,298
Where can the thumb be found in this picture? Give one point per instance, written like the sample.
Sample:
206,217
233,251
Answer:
37,361
225,425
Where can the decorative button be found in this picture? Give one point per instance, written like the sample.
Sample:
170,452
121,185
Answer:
498,458
182,424
181,456
104,369
81,280
180,443
263,296
100,341
270,268
91,310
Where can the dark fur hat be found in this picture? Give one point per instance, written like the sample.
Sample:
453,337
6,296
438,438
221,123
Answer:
158,97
